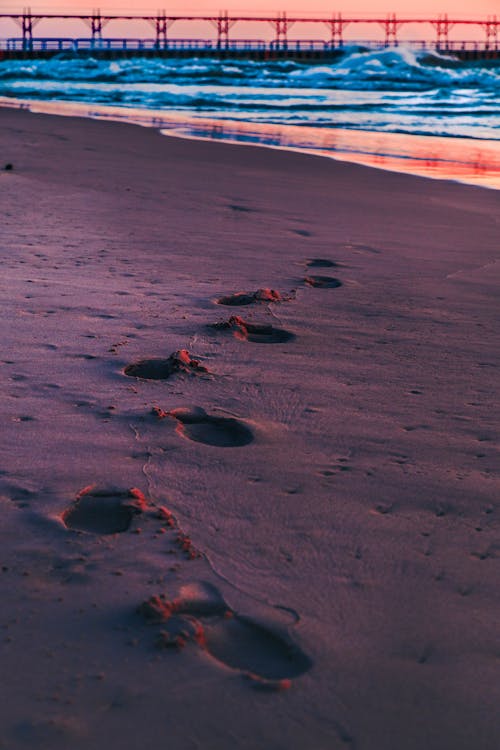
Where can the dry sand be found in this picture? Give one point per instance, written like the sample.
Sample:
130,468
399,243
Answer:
308,559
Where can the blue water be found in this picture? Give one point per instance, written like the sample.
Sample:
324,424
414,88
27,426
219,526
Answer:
387,91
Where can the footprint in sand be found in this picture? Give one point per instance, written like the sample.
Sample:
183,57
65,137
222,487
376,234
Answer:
322,263
195,424
360,248
104,511
200,615
249,298
240,208
322,282
162,369
257,334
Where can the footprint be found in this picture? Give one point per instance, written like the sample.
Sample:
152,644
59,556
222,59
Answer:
257,334
201,615
383,509
104,511
322,263
222,432
248,298
162,369
360,248
242,644
239,207
322,282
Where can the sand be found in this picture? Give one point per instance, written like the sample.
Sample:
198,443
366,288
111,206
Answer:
260,525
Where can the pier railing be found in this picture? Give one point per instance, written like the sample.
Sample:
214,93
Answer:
251,48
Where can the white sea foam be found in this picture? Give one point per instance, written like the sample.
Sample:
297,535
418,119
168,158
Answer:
392,90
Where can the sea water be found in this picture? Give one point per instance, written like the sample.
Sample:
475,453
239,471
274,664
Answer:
391,104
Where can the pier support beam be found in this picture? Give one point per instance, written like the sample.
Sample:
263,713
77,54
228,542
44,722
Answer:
223,24
27,26
96,23
491,27
391,27
336,24
27,23
281,25
442,26
162,24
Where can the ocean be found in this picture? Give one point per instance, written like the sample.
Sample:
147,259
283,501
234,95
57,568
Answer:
392,103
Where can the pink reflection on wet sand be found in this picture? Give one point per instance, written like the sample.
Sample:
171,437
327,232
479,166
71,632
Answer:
462,159
475,162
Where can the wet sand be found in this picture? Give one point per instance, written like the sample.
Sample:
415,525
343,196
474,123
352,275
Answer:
249,476
467,160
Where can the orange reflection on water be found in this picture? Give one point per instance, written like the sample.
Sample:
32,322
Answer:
473,161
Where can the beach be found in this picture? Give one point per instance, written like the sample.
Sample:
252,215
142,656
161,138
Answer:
284,534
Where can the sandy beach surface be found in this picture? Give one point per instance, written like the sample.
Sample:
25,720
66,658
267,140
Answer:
278,532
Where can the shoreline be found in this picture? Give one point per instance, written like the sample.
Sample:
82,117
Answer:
289,542
394,152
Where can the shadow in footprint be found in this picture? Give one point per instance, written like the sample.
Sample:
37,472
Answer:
201,615
322,263
322,282
104,511
257,334
242,209
249,298
162,369
242,644
222,432
360,248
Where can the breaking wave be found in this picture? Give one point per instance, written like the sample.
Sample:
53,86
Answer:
391,90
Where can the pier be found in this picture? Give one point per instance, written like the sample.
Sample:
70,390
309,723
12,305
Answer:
219,43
